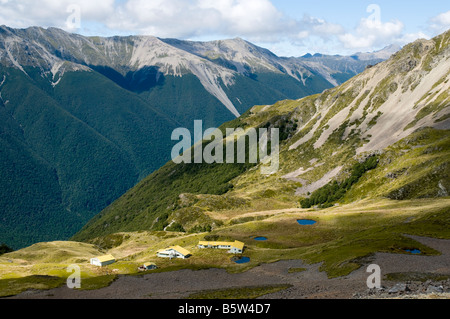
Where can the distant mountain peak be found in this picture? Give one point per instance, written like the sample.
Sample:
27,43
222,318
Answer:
215,63
384,53
395,114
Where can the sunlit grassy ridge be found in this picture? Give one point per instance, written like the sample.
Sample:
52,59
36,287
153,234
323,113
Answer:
365,222
339,239
323,138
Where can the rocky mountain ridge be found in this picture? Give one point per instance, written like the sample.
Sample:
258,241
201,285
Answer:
214,63
396,111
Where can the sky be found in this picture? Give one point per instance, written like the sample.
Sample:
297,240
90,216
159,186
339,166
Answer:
286,27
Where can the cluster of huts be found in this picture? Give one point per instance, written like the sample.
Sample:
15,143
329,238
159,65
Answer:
235,247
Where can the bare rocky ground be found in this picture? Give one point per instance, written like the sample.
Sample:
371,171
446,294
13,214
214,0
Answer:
308,284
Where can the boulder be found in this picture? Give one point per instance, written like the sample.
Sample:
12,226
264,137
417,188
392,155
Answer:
435,289
399,288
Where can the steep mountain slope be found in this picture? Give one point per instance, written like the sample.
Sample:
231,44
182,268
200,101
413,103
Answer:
346,66
139,63
248,59
67,158
83,119
368,192
393,116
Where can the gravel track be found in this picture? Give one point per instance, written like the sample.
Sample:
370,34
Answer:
309,284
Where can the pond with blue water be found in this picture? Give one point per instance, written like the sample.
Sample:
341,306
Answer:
242,260
413,251
260,238
305,222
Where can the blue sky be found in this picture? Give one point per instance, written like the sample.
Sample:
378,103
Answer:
414,14
417,18
287,27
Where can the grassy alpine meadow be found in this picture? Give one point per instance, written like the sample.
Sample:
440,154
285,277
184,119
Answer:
344,234
365,190
341,236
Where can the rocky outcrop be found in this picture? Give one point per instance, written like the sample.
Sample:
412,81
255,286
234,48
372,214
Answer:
410,289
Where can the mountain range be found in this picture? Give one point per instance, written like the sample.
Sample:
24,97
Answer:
382,134
363,179
83,119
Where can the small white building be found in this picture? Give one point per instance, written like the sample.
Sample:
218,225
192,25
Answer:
173,252
150,266
236,247
103,260
147,266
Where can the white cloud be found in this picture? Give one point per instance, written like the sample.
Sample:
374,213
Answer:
46,13
258,21
184,19
303,34
372,33
319,27
411,37
254,20
441,22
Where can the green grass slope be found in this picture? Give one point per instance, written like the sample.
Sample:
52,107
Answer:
333,127
369,201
